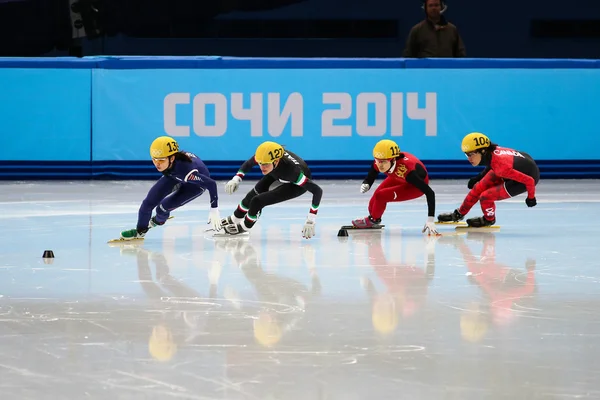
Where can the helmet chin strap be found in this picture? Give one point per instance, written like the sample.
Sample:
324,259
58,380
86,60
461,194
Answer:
392,166
166,170
485,157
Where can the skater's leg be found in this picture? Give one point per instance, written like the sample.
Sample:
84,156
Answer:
156,194
286,191
488,201
262,186
388,192
489,181
182,196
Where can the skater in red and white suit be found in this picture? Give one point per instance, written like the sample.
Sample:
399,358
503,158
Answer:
507,174
406,179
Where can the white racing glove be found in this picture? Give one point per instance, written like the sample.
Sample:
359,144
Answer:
429,227
232,185
309,226
214,219
364,188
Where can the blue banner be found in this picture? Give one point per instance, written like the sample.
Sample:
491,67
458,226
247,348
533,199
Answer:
339,114
45,114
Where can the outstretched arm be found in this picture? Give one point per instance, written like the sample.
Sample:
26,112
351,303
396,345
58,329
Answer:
207,183
313,188
233,184
414,179
309,226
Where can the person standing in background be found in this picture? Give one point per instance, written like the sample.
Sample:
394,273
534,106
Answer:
434,36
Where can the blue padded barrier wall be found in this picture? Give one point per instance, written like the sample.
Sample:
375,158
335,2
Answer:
68,118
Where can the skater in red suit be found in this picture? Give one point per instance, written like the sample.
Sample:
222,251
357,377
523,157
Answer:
507,174
406,179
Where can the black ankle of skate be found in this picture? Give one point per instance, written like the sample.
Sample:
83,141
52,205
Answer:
156,222
374,220
141,231
480,222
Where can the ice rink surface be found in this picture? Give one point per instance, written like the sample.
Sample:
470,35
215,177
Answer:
391,314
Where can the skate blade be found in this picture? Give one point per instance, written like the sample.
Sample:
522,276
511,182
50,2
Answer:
229,235
457,223
139,240
124,241
481,229
352,227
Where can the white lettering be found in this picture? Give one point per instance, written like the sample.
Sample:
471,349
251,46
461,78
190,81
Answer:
364,105
170,114
292,159
293,109
344,100
397,111
201,128
508,153
254,113
428,114
373,117
363,100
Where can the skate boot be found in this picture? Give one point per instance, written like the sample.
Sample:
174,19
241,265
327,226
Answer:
133,234
153,223
231,220
454,216
366,222
231,230
480,222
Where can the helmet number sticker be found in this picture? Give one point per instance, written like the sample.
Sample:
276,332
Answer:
173,146
395,151
275,154
481,141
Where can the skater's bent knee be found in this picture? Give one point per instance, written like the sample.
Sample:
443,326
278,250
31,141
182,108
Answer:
255,203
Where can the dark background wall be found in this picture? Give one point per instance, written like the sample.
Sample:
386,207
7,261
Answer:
298,28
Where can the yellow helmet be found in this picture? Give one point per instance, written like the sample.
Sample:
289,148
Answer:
161,344
268,152
163,147
475,141
386,149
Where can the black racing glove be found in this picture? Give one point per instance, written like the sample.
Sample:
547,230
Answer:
473,181
530,202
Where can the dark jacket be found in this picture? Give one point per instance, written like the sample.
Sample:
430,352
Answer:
427,39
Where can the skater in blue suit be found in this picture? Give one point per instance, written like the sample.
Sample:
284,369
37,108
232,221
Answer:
185,177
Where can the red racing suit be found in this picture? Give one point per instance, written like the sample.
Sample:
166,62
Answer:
407,179
508,173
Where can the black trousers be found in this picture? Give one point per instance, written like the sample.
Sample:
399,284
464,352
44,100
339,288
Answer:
262,196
